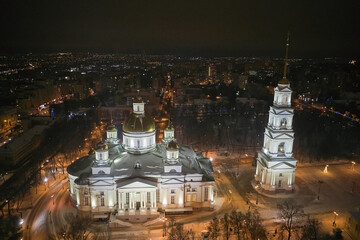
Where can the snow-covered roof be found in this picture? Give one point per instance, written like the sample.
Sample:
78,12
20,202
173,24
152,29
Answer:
147,165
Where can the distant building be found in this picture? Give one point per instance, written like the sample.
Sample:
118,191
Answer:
140,177
353,224
21,147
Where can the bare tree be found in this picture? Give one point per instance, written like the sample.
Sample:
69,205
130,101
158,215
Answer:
214,228
253,226
175,231
225,225
311,229
289,213
78,228
237,222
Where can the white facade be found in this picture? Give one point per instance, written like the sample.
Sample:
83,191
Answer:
275,169
141,179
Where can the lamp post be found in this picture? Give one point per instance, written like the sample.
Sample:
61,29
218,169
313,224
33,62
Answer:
318,196
335,215
45,181
325,169
53,199
353,165
163,219
257,194
353,187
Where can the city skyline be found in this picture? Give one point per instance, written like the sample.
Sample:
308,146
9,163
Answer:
205,28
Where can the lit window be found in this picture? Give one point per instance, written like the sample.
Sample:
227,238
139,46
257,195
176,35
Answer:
102,201
188,198
193,198
86,201
206,194
157,195
172,199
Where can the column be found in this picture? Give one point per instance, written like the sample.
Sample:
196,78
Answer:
290,179
153,202
263,173
120,200
272,180
142,203
132,204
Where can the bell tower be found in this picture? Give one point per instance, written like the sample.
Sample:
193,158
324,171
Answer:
275,169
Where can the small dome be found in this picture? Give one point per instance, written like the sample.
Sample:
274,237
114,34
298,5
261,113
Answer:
172,145
139,123
284,80
111,127
101,146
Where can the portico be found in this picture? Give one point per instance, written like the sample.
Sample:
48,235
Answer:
137,196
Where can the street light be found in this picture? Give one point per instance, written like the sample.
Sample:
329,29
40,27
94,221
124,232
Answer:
335,215
318,196
325,169
46,180
53,199
353,165
257,194
163,219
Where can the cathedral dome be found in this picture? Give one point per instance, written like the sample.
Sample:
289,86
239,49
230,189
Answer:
101,146
111,127
284,81
139,123
172,145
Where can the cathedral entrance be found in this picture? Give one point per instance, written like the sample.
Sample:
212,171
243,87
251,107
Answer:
137,205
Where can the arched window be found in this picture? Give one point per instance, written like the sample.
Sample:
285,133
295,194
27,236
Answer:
284,100
283,123
101,172
281,149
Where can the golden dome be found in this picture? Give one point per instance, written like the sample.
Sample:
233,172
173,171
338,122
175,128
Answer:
139,123
101,146
172,145
284,80
111,127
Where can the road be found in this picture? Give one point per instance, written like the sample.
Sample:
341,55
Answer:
49,212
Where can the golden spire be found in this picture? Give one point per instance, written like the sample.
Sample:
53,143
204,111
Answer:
138,98
284,79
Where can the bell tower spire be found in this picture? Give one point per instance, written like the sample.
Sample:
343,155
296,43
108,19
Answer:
284,80
286,54
276,165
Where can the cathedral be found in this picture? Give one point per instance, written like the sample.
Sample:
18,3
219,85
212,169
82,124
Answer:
139,176
275,169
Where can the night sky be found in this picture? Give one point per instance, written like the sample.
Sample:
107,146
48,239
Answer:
318,28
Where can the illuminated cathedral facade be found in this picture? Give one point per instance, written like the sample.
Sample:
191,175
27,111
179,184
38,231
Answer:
140,177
